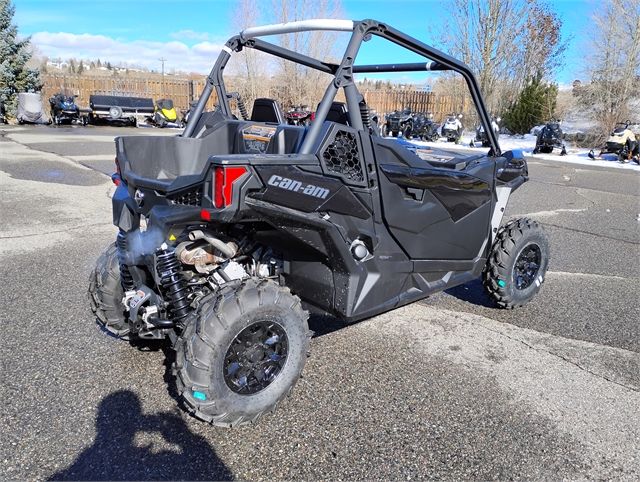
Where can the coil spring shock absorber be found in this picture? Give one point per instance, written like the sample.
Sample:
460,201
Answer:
173,284
364,113
242,108
125,275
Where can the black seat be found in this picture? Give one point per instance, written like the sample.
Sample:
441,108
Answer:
338,113
267,110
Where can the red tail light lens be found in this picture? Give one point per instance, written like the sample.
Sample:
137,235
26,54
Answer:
223,179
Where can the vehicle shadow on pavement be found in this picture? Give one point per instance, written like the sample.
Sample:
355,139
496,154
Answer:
472,292
130,445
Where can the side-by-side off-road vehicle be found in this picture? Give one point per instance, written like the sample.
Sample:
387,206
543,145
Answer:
232,232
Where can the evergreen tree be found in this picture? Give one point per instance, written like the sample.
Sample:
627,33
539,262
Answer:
109,67
14,54
80,68
534,106
99,64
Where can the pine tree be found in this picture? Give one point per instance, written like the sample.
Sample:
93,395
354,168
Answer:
14,54
80,68
534,106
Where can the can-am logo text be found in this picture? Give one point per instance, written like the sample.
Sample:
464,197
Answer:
297,186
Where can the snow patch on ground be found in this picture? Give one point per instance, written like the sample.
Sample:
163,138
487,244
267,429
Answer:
526,143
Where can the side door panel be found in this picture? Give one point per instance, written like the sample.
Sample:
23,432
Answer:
435,212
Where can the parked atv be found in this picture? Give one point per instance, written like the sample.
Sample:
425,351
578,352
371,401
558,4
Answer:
481,135
64,110
622,142
424,127
299,116
399,121
165,115
452,128
230,232
550,137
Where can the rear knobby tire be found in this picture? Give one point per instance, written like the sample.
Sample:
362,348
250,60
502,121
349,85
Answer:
501,278
204,345
106,293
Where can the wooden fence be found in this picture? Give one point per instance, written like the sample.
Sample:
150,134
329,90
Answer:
183,91
384,101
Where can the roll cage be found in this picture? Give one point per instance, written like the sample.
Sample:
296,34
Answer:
342,73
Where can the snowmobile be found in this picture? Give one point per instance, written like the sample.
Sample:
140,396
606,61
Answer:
550,137
424,127
622,142
64,109
399,121
230,233
452,128
481,136
165,115
299,116
30,110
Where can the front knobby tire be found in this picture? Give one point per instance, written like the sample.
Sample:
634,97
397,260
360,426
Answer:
518,263
106,293
243,353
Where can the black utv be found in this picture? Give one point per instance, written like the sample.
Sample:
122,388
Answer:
550,137
232,232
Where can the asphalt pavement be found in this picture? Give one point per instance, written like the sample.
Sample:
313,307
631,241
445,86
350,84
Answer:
447,388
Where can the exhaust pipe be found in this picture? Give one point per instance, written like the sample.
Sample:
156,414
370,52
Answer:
228,249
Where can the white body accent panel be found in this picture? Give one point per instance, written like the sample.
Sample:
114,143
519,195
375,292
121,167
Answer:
503,194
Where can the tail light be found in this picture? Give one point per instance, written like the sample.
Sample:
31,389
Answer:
116,177
223,179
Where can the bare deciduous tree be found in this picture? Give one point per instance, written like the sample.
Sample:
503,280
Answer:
300,84
255,74
505,42
614,63
250,65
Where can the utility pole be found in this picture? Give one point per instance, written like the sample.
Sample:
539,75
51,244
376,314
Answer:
163,60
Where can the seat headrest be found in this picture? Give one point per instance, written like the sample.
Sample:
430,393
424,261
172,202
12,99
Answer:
267,110
338,113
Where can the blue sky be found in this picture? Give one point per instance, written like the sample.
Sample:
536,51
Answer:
189,33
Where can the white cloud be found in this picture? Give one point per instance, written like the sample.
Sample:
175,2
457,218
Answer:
180,56
189,35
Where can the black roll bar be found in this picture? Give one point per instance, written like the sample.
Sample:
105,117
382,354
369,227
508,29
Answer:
343,73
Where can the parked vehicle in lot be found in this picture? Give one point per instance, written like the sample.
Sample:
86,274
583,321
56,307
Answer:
230,232
424,128
3,113
481,136
165,115
120,109
622,142
299,116
452,128
30,110
399,121
550,137
64,110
